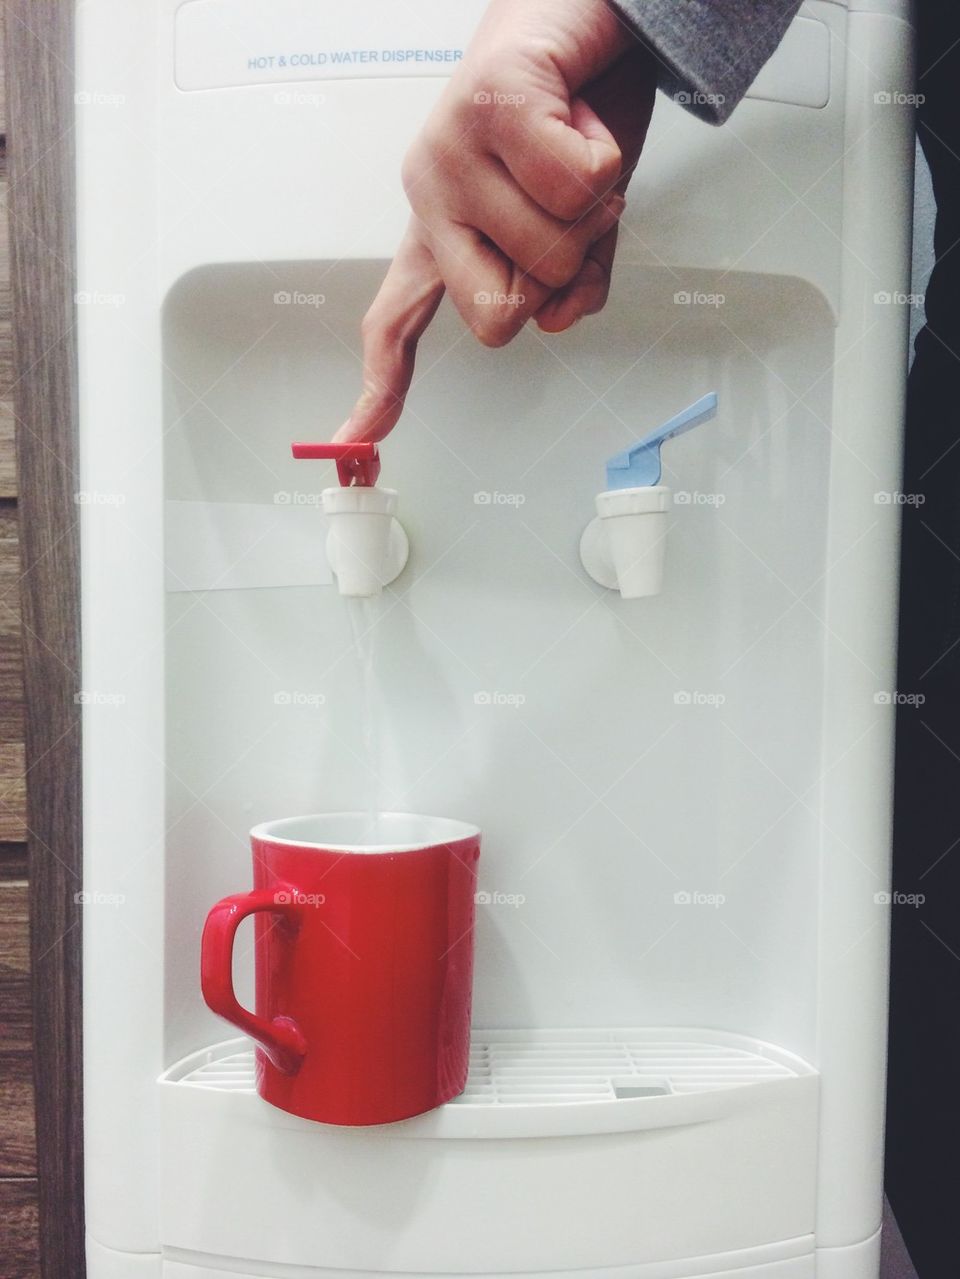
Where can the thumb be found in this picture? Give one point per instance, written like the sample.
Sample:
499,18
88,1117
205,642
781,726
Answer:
403,308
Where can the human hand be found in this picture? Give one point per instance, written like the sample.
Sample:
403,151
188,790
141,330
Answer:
516,183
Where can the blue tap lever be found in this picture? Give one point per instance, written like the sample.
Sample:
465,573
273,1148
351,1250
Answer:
640,466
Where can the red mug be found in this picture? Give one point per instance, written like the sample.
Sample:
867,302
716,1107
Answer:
363,961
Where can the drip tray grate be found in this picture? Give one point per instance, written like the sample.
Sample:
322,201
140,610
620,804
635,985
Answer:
548,1068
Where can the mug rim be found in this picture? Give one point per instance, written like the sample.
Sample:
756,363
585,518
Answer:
448,830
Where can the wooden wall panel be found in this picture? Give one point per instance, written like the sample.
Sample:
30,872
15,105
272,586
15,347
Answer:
11,649
13,791
13,862
12,766
18,1155
18,1213
41,1181
8,469
19,1196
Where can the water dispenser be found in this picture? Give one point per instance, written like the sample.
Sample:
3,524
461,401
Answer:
667,727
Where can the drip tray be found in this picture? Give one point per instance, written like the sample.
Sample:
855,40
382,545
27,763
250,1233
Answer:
568,1149
563,1082
547,1068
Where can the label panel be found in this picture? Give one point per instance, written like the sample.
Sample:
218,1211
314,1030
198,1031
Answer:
229,43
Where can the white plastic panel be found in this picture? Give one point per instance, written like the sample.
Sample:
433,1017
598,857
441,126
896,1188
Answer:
861,616
799,71
108,1263
729,1266
858,1261
120,454
222,546
243,1179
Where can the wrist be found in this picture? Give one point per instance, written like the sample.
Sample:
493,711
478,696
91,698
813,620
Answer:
581,38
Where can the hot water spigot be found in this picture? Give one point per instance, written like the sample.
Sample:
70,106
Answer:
367,547
624,547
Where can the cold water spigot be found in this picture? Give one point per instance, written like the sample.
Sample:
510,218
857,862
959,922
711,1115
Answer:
624,547
367,547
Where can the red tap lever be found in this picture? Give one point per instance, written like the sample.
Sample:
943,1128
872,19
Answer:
357,464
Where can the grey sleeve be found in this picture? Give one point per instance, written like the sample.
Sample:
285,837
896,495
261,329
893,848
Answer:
709,51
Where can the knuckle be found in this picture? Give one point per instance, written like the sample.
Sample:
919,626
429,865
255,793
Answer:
496,326
577,191
371,326
558,267
490,336
606,169
386,337
486,88
596,299
412,169
572,198
382,337
431,152
594,286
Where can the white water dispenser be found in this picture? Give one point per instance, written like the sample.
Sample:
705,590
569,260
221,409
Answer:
683,782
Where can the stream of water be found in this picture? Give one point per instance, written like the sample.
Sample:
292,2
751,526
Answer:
363,615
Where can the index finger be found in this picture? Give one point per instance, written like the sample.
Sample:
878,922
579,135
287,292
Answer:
393,326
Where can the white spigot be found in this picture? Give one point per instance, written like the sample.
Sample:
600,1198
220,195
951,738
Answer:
624,547
367,547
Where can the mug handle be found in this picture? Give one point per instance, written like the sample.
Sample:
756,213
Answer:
281,1039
